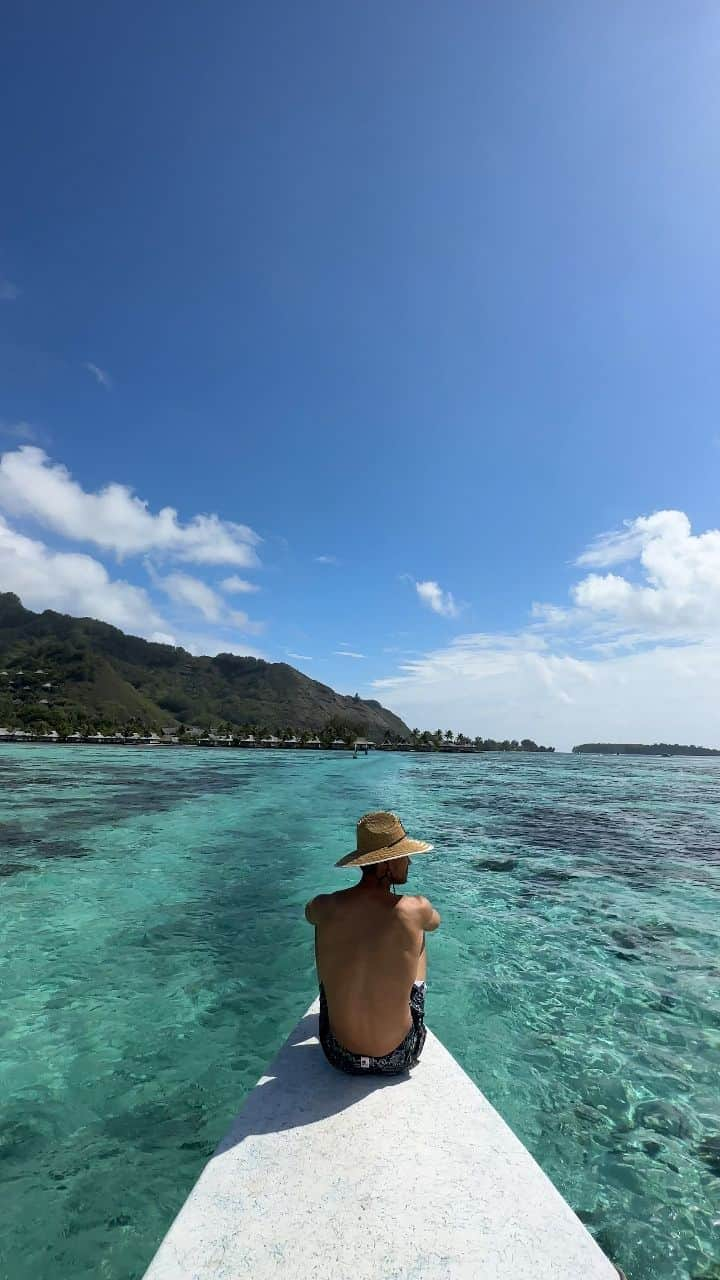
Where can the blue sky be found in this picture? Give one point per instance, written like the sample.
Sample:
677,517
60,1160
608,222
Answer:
430,292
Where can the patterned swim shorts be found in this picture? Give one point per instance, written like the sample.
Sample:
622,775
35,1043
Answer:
394,1063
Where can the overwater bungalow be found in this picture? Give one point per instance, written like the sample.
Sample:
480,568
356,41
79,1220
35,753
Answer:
314,743
74,737
52,736
270,741
363,745
248,741
290,742
95,737
338,744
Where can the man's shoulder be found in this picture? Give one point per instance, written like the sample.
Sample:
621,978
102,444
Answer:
414,903
320,905
419,910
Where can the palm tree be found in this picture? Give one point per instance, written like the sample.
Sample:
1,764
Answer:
448,735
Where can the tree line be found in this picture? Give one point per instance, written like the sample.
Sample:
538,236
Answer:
67,720
644,749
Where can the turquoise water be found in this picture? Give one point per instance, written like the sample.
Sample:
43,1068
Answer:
154,955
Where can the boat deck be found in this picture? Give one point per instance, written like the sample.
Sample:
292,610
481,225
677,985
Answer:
412,1178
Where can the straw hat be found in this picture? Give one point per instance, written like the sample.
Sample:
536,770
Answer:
381,837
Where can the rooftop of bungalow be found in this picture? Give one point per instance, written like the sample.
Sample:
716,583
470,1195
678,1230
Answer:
192,735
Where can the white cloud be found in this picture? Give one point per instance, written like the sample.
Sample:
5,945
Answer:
661,694
347,653
550,614
620,545
210,645
236,586
679,595
637,658
436,599
72,583
114,518
8,291
18,431
184,589
300,657
102,378
118,521
326,560
75,583
612,548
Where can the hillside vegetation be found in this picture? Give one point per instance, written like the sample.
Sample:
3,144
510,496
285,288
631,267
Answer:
72,674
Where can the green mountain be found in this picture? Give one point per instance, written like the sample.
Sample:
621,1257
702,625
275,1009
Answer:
71,673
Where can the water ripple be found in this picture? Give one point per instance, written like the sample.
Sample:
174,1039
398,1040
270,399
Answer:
155,902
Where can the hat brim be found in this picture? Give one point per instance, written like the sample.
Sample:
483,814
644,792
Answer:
406,848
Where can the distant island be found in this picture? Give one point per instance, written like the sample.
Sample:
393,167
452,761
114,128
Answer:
642,749
65,679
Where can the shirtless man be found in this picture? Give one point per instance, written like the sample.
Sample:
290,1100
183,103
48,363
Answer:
370,954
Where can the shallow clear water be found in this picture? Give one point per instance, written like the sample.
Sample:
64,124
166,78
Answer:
154,955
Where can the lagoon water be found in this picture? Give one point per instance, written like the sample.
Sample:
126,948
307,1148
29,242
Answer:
154,954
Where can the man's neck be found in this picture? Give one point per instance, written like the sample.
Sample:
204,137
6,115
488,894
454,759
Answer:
380,887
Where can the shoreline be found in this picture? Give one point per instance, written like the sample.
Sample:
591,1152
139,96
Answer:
44,741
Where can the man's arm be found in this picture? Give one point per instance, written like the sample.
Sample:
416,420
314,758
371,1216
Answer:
429,917
313,908
312,915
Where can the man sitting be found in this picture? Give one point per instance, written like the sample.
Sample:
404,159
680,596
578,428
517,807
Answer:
370,954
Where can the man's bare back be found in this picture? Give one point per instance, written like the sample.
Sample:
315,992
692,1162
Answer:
370,948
